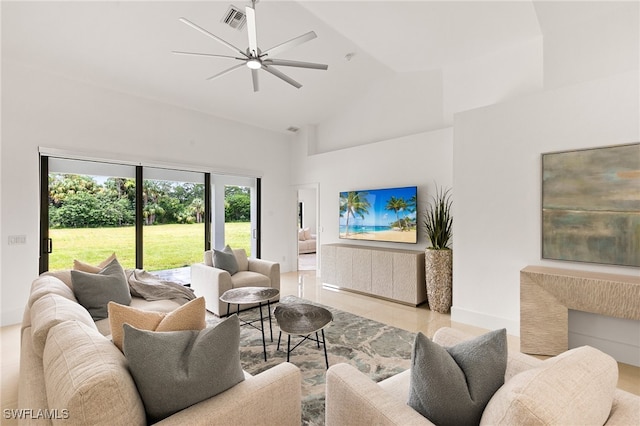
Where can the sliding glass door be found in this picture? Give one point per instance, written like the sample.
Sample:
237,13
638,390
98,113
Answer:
174,218
236,213
91,213
152,218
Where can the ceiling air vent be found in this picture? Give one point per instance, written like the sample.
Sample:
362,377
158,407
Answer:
235,18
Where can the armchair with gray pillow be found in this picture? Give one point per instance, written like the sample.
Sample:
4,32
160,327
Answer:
223,270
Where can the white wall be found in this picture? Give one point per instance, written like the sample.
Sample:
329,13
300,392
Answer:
498,186
599,38
403,104
45,110
422,159
506,74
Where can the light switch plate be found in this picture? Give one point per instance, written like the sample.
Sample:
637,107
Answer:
17,239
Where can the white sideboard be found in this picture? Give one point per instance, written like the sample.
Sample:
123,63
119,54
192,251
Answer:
394,274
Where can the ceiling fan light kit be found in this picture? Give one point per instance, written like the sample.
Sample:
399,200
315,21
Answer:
253,57
254,64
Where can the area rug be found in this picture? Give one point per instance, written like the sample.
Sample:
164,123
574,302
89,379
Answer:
376,349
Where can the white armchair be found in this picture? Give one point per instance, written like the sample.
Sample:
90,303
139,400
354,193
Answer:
210,282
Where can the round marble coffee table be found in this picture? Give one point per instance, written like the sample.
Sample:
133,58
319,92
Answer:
251,295
303,319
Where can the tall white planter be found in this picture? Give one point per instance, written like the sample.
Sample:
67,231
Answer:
438,266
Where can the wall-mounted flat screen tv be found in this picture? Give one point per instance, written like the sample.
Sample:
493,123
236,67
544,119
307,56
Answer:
380,215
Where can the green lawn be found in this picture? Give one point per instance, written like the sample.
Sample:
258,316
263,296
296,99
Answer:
165,246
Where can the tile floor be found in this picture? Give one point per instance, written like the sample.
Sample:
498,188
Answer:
305,284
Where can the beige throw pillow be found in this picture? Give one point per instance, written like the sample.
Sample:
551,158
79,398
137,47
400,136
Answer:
574,388
190,316
85,267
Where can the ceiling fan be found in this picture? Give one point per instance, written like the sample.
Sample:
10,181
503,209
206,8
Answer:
254,58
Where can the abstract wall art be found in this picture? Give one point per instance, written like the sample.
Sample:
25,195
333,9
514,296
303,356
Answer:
591,205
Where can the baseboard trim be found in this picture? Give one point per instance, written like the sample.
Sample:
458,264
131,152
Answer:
482,320
11,317
620,351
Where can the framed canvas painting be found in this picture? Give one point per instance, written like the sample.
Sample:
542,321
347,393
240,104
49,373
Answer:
591,205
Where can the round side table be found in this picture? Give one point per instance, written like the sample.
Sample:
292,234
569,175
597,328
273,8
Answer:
251,295
303,319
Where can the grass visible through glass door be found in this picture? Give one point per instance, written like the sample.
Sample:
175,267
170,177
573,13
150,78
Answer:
163,244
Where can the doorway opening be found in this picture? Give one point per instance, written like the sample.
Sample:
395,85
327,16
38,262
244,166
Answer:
307,229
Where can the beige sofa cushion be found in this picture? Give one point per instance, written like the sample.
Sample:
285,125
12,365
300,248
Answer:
250,279
164,305
63,275
49,311
576,387
87,375
48,284
190,316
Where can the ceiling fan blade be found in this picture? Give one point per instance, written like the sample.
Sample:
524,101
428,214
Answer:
254,77
252,30
287,63
227,71
216,38
289,44
177,52
282,76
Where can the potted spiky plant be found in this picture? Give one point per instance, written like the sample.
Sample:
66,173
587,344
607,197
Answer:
438,226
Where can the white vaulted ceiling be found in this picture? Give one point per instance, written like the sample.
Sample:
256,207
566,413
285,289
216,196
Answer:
126,46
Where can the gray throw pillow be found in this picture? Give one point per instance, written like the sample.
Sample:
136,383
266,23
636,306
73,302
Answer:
176,369
95,291
225,259
452,386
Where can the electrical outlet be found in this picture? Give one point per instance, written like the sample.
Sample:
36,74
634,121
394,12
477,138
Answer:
17,239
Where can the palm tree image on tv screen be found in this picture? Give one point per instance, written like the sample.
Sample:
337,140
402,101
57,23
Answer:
379,215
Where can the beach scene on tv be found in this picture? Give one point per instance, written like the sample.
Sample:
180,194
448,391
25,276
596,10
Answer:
379,215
